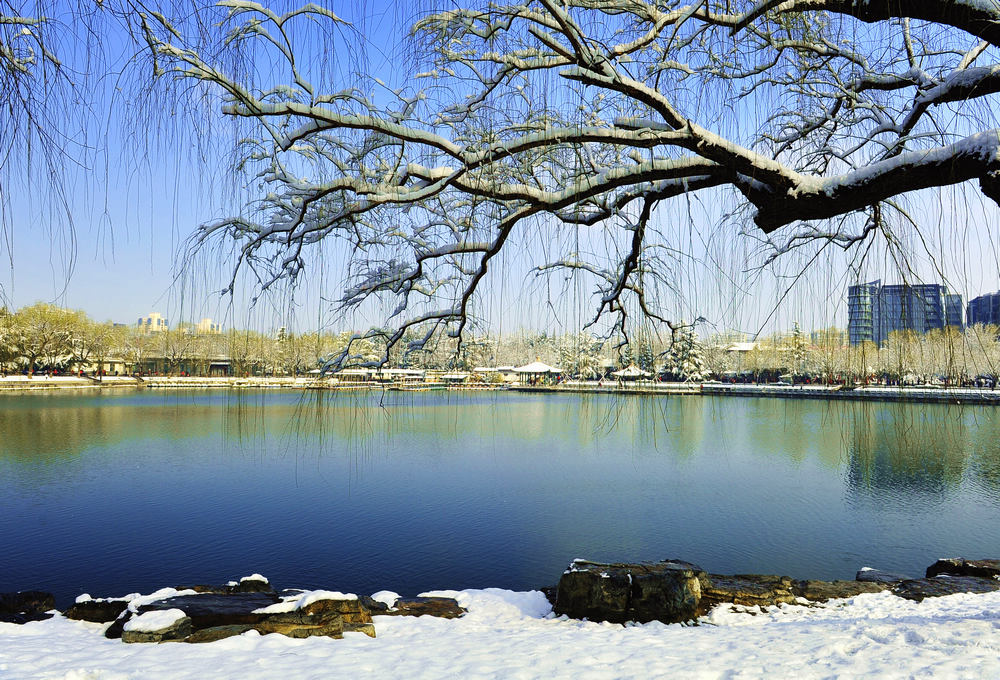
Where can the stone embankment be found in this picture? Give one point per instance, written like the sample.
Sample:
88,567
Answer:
674,591
927,394
197,614
671,591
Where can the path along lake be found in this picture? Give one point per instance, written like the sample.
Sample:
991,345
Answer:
123,491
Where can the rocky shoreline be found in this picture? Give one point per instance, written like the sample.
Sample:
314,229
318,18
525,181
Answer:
670,591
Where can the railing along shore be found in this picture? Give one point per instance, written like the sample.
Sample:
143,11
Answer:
927,393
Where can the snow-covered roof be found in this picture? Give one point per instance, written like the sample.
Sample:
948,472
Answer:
631,371
537,367
741,347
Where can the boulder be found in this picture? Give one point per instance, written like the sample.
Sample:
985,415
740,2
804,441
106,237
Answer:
821,591
869,575
354,616
668,591
441,607
26,605
333,627
215,616
216,633
251,584
26,601
209,610
746,590
96,611
114,631
174,628
373,605
21,618
938,586
957,566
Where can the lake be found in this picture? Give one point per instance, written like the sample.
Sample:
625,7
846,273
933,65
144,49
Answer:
123,491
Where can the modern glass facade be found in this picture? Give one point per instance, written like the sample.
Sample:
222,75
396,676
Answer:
875,311
861,300
984,309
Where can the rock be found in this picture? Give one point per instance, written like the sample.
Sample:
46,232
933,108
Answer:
920,588
821,591
114,631
236,613
96,611
550,593
352,612
334,628
443,607
26,601
216,633
210,610
252,584
373,605
21,618
343,615
667,591
956,566
178,629
869,575
25,606
747,590
208,590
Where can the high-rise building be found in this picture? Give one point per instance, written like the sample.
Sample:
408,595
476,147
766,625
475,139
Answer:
152,323
875,311
206,327
861,301
984,309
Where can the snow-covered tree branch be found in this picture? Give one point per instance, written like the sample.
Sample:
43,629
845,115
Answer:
551,115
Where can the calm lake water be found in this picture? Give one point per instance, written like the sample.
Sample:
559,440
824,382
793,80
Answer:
130,491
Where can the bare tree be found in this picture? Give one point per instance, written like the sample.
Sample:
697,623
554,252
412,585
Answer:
808,116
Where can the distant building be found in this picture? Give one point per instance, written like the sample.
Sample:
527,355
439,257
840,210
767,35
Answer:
152,323
861,303
874,311
984,309
206,327
828,337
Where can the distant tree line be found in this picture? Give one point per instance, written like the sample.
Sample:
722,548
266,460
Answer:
46,338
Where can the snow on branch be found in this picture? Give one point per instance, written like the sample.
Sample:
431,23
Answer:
559,115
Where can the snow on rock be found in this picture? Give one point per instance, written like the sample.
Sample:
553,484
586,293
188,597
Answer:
303,600
151,622
386,597
135,600
509,634
254,577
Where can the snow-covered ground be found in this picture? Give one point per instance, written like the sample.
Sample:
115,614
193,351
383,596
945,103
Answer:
514,635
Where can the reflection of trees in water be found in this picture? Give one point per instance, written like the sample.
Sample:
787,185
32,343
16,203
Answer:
900,449
36,428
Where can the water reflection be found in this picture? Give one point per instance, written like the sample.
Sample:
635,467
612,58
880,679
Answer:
415,491
897,451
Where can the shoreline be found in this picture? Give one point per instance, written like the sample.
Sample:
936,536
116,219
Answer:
921,394
517,634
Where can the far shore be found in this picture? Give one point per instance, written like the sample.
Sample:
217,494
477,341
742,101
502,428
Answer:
923,393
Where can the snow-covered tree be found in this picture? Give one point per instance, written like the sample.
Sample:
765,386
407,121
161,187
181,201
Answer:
811,118
684,359
580,355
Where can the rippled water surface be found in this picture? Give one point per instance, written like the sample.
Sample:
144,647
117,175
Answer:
129,491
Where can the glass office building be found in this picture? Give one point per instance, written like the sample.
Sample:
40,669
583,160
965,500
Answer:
984,309
875,311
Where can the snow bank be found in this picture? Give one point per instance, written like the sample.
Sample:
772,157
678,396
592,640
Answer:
514,634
